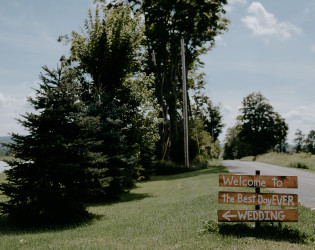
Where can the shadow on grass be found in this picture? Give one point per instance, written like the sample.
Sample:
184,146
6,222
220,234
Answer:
218,169
125,197
267,231
7,227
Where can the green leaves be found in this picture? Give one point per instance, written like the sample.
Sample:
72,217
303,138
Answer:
109,46
259,128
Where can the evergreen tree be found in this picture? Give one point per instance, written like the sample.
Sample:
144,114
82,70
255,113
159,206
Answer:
109,51
54,165
119,160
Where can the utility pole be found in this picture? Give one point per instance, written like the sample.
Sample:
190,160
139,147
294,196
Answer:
185,111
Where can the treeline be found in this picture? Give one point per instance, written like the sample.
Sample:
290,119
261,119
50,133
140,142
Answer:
258,130
113,108
304,143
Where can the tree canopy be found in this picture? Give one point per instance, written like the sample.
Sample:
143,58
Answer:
52,165
305,144
259,126
166,22
109,50
106,113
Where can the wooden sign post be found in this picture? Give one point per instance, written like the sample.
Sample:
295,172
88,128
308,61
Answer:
258,199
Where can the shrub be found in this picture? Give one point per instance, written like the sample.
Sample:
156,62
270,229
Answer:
298,165
169,167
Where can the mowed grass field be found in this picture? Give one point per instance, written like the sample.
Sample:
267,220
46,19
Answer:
301,160
165,213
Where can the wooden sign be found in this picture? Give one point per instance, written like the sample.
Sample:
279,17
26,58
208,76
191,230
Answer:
259,181
264,199
280,215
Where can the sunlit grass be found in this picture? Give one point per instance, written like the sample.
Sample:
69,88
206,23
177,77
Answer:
166,212
302,160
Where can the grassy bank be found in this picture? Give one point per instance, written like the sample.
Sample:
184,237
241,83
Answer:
302,160
165,213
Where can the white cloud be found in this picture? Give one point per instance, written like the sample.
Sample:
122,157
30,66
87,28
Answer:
312,48
265,24
219,40
237,1
303,114
302,117
10,109
231,3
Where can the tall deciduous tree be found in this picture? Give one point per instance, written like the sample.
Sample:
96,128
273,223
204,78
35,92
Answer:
310,142
166,22
299,140
54,166
234,147
210,114
261,127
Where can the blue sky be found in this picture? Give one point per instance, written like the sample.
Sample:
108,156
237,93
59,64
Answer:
270,47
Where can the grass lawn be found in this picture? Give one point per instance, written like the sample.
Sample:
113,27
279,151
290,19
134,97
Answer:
302,160
165,213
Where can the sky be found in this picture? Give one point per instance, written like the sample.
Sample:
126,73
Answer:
268,48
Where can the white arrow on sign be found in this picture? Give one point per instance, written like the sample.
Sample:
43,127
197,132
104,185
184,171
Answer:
227,216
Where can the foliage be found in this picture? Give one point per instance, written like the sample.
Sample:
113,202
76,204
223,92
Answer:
310,142
54,164
259,129
210,114
109,47
169,168
305,144
166,22
143,133
114,146
209,149
234,147
299,140
298,165
109,51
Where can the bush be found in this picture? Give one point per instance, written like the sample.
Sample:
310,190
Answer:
298,165
169,167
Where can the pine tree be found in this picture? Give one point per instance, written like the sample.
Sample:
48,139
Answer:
54,166
109,51
119,159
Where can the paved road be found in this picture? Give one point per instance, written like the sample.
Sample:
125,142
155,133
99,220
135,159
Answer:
306,179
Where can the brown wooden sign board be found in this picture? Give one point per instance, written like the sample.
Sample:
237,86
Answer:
281,215
259,181
264,199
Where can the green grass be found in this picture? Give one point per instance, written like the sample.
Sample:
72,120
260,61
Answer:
302,160
165,213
